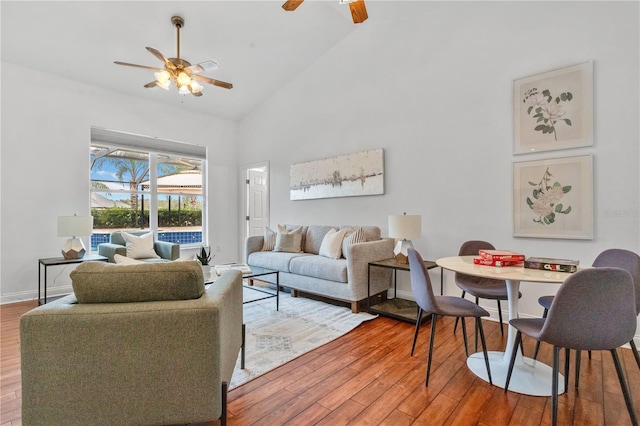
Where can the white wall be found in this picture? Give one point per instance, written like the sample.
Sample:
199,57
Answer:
46,123
433,87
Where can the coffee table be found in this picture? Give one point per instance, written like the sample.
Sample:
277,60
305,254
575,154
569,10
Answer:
255,273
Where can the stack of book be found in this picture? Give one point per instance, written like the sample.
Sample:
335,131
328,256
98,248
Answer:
549,264
498,258
242,267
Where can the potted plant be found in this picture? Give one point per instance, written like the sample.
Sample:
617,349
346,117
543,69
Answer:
204,257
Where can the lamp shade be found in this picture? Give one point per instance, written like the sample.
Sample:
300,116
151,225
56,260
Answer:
404,226
73,226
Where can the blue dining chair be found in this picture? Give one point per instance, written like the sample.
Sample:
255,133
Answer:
594,309
441,305
616,258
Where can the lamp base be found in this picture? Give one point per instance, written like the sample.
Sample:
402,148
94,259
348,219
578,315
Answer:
73,248
400,251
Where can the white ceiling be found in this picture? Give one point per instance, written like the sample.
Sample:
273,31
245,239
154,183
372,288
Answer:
258,45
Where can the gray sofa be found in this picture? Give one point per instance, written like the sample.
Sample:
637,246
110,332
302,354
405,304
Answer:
117,245
343,279
135,344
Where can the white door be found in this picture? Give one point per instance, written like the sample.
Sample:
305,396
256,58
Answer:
257,201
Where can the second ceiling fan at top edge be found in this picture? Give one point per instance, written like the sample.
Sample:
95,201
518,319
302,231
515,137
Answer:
357,7
179,71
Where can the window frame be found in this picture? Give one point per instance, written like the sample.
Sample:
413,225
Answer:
155,148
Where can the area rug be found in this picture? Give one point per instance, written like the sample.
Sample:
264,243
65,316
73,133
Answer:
274,338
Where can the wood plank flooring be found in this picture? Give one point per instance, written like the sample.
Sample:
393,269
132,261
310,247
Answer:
368,378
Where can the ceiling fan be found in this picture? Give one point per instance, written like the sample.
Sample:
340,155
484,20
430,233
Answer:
179,71
357,7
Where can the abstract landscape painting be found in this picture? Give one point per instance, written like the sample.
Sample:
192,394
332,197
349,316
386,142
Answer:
360,173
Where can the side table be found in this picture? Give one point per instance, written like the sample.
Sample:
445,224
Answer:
400,309
56,261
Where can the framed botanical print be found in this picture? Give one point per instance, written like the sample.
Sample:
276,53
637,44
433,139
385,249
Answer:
553,198
554,110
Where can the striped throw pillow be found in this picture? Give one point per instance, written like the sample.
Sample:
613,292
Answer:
353,236
269,239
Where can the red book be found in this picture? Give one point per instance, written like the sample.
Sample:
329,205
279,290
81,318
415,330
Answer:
491,262
507,255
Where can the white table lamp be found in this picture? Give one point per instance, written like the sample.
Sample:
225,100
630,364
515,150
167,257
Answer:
74,226
403,227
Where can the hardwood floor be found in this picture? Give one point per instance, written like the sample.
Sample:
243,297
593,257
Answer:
368,378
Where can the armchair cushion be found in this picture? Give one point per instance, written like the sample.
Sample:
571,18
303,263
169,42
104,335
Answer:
99,282
140,247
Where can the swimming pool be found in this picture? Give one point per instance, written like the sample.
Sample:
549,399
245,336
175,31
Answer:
180,237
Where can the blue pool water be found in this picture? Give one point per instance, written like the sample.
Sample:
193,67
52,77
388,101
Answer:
187,237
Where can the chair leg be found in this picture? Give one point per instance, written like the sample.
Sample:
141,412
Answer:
431,339
535,353
554,385
484,348
625,388
223,415
512,361
464,336
567,355
632,343
578,360
415,335
500,317
455,327
476,335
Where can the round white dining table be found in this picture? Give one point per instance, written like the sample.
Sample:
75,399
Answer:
529,376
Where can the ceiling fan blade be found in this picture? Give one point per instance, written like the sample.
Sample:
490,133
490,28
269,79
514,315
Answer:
137,66
291,5
212,81
358,11
197,94
154,83
160,56
203,66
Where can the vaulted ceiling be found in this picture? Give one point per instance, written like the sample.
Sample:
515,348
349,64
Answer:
258,45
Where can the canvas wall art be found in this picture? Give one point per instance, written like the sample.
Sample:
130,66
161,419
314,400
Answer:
360,173
554,110
553,198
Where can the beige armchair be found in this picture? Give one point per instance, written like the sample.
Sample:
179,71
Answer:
164,357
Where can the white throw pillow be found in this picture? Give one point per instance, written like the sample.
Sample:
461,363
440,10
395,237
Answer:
140,247
288,241
118,258
269,239
332,244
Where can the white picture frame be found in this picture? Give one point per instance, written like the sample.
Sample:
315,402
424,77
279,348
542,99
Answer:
554,110
553,198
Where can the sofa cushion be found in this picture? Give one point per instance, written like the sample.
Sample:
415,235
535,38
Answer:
278,261
320,267
331,246
314,236
140,247
100,282
289,241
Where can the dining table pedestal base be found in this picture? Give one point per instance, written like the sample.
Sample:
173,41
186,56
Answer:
529,377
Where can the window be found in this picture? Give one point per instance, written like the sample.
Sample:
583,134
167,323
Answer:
139,183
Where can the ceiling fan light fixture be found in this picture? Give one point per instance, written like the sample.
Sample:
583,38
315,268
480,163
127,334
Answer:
195,86
162,76
183,79
184,90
